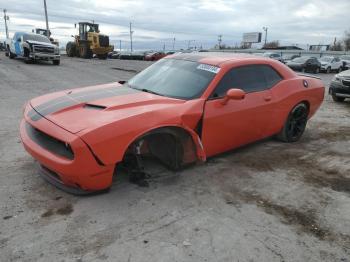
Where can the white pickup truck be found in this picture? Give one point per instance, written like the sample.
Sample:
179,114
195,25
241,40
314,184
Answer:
32,47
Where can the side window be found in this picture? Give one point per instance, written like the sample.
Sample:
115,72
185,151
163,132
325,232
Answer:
252,78
271,75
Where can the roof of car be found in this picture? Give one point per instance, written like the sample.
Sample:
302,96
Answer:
215,58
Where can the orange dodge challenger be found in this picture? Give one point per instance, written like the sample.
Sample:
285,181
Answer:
180,110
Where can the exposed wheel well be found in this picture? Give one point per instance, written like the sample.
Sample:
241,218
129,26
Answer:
307,103
26,51
172,146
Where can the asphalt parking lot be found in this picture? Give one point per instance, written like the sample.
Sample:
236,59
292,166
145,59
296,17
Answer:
268,201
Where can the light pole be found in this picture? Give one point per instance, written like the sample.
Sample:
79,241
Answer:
219,41
6,18
131,32
47,21
189,43
174,43
265,28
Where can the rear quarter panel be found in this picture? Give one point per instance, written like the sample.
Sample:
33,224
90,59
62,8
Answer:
293,92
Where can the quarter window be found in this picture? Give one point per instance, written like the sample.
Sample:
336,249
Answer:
252,78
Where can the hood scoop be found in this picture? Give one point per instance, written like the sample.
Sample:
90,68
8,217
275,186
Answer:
94,107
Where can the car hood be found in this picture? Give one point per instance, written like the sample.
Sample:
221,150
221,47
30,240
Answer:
324,63
87,108
40,43
345,74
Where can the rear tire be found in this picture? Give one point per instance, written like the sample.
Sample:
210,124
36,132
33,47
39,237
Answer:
84,51
340,69
295,125
56,62
317,70
338,99
71,49
11,55
328,70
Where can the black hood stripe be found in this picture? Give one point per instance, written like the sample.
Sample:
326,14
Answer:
69,100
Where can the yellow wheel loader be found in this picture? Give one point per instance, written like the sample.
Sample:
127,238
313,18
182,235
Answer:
89,42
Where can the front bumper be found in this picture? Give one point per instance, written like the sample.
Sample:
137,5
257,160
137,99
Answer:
80,175
102,50
45,57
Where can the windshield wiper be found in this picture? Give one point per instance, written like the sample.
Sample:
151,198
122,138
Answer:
143,89
150,91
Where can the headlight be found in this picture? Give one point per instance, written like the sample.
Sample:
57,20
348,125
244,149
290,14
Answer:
337,78
57,50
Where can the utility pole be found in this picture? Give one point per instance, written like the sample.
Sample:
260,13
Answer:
47,21
120,45
189,43
131,32
219,40
174,44
6,18
265,29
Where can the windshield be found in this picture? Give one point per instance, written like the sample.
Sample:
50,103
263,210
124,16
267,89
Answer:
300,59
175,78
326,59
38,38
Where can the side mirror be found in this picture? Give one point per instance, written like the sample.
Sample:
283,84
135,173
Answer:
233,94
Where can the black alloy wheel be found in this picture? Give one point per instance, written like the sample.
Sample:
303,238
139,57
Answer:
295,124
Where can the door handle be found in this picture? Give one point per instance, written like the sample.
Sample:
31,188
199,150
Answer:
267,98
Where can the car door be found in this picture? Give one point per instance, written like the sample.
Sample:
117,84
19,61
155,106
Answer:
18,45
309,66
313,64
238,122
336,63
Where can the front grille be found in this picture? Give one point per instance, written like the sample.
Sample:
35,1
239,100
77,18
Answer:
49,143
43,49
104,40
346,82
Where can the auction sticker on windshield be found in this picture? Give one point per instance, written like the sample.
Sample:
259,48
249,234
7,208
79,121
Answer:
209,68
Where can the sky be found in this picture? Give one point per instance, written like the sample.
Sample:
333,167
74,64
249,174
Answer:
194,23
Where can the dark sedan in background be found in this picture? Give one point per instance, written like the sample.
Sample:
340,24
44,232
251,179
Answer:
305,64
340,86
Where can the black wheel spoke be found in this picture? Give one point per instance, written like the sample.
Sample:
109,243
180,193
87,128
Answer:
297,122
